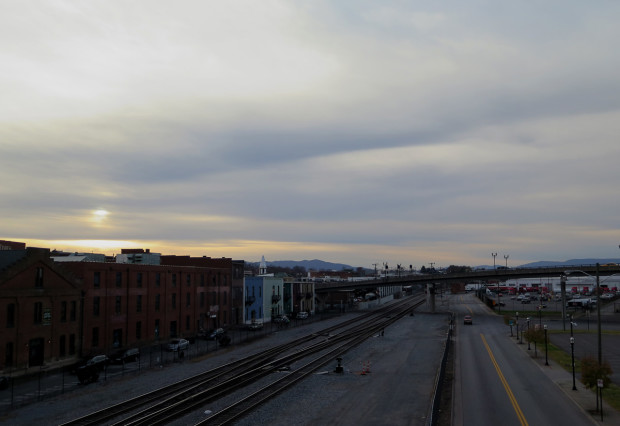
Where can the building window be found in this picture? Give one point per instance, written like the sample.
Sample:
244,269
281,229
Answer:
139,279
188,299
139,303
138,330
187,322
202,300
62,345
202,280
95,341
119,279
174,300
117,305
38,281
213,297
157,301
97,279
63,311
157,279
174,280
10,315
225,298
38,313
157,329
72,344
188,280
8,354
96,306
73,311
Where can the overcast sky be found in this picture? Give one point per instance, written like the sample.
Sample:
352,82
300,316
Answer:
356,132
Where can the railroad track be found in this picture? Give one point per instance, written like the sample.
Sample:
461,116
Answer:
162,405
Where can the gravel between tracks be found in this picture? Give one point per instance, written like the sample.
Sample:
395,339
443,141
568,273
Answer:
402,366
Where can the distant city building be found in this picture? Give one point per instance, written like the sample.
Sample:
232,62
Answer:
138,256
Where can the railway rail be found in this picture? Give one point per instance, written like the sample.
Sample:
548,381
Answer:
165,404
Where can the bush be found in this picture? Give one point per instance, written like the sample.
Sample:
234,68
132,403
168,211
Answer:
591,371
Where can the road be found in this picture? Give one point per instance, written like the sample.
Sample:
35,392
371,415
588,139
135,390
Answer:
496,382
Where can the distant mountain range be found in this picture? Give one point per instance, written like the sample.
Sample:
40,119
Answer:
321,265
316,265
552,263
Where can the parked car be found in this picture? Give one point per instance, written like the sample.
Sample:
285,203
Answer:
281,319
4,382
176,345
87,374
98,362
223,339
215,334
124,356
255,325
302,315
468,320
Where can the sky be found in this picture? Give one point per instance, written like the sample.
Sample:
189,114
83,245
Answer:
356,132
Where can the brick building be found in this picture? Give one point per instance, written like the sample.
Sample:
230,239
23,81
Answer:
75,306
40,306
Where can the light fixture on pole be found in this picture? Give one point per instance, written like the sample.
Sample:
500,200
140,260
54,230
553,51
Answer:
528,337
517,315
572,355
494,256
506,257
546,350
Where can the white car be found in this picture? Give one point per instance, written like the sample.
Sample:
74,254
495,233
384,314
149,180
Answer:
176,345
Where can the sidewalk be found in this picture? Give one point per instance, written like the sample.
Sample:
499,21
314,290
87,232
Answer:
583,397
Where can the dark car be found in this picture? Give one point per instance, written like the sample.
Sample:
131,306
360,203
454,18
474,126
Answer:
98,362
4,382
87,374
468,320
215,334
281,319
126,355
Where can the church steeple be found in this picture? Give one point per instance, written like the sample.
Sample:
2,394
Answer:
262,269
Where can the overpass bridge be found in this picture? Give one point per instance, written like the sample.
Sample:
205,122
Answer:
494,275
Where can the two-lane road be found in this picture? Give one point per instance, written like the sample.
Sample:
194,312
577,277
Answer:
496,382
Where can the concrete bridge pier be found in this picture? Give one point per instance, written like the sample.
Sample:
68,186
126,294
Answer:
430,296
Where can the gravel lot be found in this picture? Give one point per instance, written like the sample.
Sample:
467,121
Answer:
397,391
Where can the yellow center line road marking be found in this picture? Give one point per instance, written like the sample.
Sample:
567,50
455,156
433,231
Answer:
511,396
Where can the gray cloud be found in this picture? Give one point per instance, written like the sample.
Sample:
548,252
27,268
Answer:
354,130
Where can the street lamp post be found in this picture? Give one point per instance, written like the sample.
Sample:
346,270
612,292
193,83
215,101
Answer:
540,315
546,350
506,256
598,317
528,337
572,355
494,256
517,315
598,308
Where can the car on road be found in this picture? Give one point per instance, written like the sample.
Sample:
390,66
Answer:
125,355
467,319
176,345
302,315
